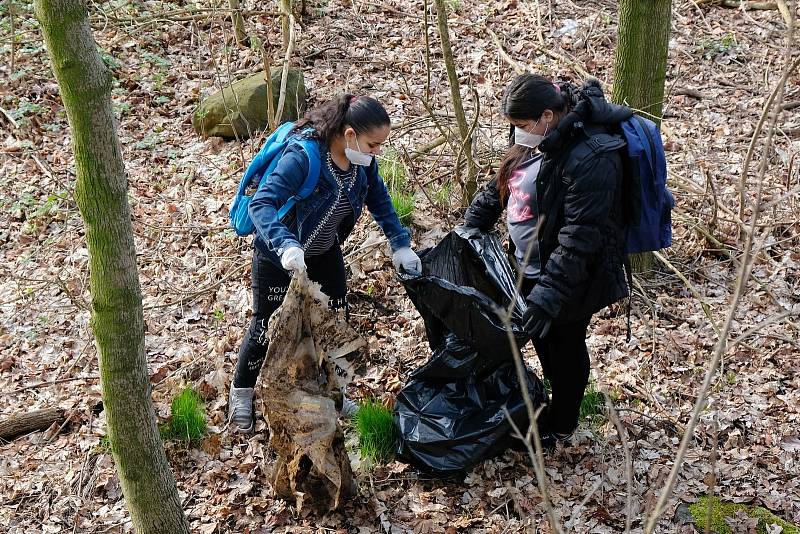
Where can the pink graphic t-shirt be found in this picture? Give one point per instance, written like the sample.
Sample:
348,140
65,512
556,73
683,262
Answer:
522,216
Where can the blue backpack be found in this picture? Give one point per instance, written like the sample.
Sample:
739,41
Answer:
648,203
262,166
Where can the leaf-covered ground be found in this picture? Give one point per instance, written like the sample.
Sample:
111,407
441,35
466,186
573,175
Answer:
723,64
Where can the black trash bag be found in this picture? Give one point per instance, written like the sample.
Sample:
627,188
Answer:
465,279
452,412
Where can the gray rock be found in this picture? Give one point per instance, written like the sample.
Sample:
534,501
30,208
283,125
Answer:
683,518
241,109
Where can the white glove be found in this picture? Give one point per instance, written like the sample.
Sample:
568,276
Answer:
408,260
293,259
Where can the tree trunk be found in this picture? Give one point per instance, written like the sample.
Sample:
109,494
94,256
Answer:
117,322
641,58
238,23
640,68
470,185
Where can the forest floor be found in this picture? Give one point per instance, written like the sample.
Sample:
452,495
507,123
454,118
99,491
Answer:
723,64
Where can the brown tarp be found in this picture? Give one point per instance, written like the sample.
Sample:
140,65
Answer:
310,348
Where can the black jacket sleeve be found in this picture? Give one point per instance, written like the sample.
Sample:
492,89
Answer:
588,202
485,208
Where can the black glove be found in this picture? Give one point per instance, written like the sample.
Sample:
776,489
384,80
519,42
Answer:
535,321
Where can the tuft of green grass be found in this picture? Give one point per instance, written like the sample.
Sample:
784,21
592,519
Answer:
712,47
593,405
404,206
395,176
722,509
188,422
547,387
392,170
376,431
442,196
105,445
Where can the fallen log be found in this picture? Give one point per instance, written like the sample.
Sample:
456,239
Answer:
17,425
736,4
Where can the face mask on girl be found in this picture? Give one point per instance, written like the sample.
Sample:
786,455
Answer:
356,157
530,140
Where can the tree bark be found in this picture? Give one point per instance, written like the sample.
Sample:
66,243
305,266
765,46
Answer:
285,8
641,58
640,68
17,425
117,321
238,23
265,56
470,185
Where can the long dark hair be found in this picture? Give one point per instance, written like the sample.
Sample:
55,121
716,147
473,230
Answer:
526,98
362,113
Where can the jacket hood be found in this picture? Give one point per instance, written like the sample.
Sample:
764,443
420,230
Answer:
601,110
591,108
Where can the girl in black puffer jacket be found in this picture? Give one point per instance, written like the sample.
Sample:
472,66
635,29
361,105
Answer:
561,185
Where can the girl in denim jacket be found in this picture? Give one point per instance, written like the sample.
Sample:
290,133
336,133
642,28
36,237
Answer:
350,131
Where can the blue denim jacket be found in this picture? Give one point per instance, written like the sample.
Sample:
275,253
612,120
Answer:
274,236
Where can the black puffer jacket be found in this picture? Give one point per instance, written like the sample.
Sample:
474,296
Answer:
578,193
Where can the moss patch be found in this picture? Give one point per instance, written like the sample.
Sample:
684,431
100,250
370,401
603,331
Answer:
722,509
240,109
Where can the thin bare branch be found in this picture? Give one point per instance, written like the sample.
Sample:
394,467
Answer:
743,275
626,450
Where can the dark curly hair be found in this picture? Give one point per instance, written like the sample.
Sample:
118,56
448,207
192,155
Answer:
526,98
362,113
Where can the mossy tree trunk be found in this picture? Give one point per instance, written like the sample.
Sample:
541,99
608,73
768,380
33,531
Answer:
470,184
117,322
640,68
640,65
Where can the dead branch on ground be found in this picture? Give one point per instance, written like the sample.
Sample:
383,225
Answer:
17,425
736,4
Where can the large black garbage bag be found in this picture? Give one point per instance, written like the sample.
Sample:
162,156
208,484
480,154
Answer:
452,412
465,278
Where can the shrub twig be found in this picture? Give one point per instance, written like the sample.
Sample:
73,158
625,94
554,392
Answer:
743,275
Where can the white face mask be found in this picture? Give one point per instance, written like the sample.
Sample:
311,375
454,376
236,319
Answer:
356,157
530,140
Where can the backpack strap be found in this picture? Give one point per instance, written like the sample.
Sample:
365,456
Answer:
260,162
311,148
592,144
626,263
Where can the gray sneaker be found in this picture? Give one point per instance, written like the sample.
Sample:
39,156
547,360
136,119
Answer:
240,409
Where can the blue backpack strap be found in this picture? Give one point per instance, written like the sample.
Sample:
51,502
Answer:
311,148
272,146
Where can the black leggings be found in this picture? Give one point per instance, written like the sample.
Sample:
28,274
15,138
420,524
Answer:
565,363
270,284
